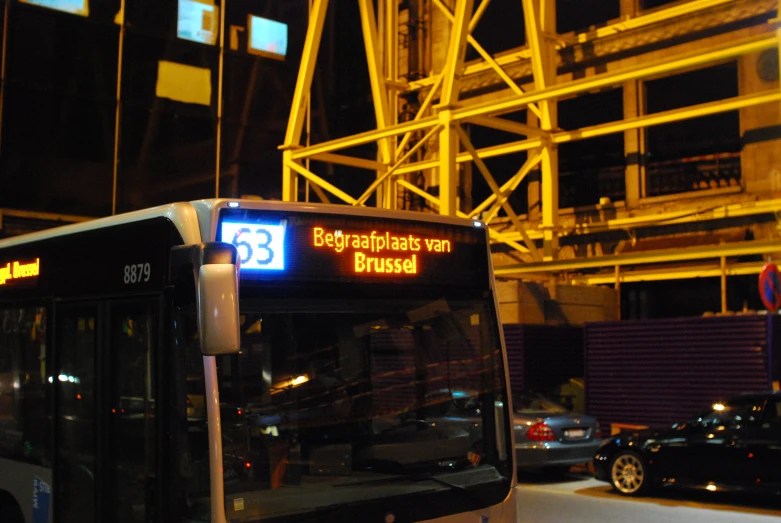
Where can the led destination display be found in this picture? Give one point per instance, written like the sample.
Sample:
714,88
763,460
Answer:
16,270
324,247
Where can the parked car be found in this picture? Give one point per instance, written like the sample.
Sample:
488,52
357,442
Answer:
549,436
733,445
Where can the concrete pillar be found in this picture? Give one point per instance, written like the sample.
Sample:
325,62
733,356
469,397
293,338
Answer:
629,8
634,143
760,125
634,139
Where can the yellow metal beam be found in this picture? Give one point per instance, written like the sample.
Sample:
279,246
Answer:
376,75
524,53
364,138
671,218
539,54
510,185
508,126
640,258
487,57
350,161
688,60
674,115
306,71
320,193
514,182
485,152
508,58
539,17
454,61
478,15
483,168
423,108
322,183
686,8
417,190
435,201
448,167
376,183
712,270
452,70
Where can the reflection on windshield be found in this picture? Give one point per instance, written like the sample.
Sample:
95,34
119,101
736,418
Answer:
329,398
535,403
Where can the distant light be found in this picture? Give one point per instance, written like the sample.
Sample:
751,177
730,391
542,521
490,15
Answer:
299,380
712,488
718,406
233,205
477,224
63,377
248,464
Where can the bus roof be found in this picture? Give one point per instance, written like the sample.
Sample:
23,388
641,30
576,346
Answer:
197,221
182,215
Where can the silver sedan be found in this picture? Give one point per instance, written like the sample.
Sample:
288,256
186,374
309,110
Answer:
550,437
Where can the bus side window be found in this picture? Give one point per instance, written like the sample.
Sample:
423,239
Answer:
24,386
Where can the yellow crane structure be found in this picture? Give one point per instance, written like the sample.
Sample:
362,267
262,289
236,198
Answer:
637,47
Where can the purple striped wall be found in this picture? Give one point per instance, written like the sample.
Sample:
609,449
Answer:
657,372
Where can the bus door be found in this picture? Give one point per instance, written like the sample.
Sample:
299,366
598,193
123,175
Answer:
105,405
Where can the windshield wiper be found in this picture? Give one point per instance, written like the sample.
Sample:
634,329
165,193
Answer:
416,478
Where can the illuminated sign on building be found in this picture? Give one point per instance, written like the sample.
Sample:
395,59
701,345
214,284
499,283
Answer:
16,270
267,37
76,7
197,21
313,247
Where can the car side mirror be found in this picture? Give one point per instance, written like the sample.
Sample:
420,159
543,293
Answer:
218,308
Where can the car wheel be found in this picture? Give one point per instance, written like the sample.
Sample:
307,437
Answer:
629,474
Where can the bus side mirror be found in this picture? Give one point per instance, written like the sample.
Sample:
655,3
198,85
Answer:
218,308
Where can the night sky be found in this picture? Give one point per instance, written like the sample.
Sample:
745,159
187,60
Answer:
58,129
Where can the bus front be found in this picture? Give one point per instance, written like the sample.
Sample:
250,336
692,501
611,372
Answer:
370,384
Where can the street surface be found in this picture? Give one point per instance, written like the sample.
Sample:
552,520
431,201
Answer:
579,498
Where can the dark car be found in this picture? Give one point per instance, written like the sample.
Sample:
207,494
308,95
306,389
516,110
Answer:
734,445
550,437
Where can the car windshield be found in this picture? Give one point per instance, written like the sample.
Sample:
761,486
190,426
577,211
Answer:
536,404
734,412
343,394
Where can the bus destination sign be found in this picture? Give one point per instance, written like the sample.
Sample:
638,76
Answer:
379,252
325,247
17,270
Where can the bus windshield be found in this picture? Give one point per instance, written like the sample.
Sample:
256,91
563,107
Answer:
344,402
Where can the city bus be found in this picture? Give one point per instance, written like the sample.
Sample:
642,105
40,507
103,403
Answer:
244,360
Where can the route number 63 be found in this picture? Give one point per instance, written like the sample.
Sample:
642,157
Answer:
260,246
